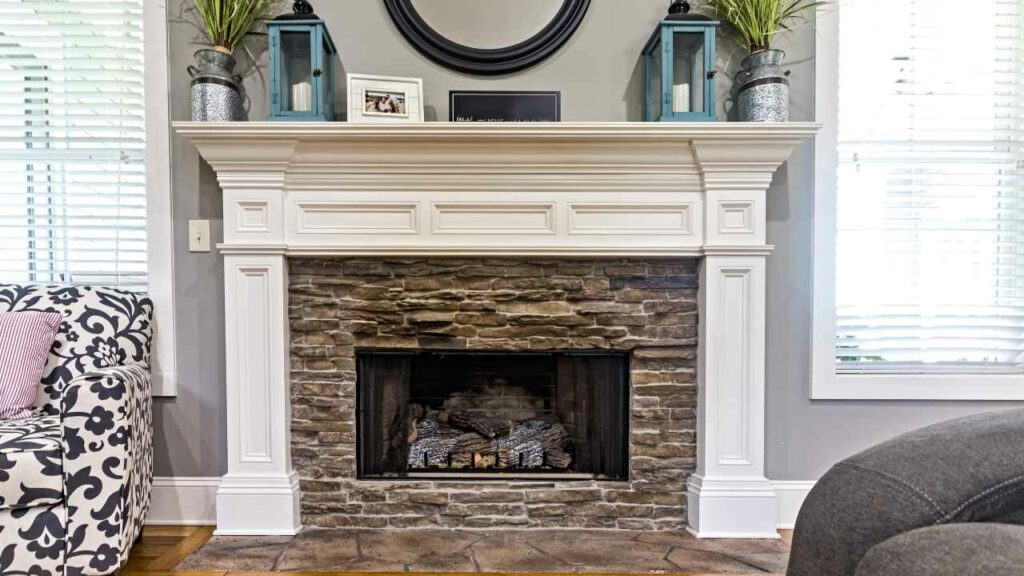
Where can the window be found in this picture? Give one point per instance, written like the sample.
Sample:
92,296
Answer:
920,201
73,138
83,151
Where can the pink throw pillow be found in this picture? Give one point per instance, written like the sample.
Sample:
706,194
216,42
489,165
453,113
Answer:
25,340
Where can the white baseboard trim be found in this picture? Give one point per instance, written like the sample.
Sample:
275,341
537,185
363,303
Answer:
183,501
789,496
192,501
730,507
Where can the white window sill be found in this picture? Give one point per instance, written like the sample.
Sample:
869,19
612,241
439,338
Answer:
953,387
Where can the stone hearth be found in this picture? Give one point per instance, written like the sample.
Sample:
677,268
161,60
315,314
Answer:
489,551
647,307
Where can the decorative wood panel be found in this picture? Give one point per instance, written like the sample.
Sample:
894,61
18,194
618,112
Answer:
357,218
489,218
630,219
253,216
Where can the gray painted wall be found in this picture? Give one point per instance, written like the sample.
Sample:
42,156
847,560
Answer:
599,73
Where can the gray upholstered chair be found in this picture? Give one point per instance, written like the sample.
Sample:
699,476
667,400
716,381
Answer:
75,479
944,500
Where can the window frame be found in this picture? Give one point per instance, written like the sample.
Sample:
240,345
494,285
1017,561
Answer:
159,213
826,384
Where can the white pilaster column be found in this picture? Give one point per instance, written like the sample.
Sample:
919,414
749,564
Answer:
260,493
729,495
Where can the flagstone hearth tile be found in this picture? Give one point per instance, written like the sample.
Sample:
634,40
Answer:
237,554
669,538
690,560
362,565
422,550
608,555
775,562
465,551
686,540
321,549
500,554
736,546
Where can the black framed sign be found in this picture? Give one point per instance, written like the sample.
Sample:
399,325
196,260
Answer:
504,106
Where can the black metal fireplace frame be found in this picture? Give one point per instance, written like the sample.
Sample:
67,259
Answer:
481,476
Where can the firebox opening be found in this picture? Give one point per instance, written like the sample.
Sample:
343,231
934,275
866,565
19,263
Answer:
437,414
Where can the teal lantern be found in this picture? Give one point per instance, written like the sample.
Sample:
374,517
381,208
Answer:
679,68
302,56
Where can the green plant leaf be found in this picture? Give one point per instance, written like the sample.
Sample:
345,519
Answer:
756,22
226,22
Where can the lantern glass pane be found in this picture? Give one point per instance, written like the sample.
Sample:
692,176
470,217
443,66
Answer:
688,72
655,89
297,70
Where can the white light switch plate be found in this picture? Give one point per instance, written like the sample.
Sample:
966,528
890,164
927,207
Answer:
198,235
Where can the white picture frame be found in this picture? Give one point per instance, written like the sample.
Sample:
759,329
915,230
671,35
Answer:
384,99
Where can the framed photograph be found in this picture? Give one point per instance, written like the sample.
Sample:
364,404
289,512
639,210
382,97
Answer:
379,99
383,103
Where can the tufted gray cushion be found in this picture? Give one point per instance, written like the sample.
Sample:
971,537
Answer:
949,550
965,470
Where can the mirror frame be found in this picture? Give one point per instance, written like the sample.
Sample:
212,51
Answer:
482,61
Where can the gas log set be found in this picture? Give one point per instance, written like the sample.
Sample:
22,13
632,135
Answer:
467,440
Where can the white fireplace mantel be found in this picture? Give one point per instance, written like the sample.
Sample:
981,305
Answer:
438,189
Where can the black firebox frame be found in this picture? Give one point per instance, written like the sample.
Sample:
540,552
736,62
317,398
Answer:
617,470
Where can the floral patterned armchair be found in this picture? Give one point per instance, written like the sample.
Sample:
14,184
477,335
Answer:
75,479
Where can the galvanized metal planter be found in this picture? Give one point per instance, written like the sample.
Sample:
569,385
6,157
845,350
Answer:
216,96
764,93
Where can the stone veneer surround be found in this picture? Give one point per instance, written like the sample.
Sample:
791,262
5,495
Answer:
645,306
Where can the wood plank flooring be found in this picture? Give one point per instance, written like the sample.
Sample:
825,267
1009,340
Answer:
161,548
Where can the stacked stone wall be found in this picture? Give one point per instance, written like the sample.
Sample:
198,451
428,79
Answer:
647,307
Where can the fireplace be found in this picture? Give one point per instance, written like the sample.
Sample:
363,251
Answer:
502,415
485,392
558,237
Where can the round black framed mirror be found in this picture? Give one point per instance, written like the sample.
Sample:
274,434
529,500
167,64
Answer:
474,36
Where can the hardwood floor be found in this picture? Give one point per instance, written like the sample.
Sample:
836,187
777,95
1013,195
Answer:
162,548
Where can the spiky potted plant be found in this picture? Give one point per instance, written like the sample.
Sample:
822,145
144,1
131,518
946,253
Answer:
215,87
764,91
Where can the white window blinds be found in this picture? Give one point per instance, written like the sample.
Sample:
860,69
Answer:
72,142
930,207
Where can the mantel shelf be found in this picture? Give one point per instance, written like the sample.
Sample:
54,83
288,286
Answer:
659,131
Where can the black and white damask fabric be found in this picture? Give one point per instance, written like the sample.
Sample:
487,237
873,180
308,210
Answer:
30,462
101,328
75,480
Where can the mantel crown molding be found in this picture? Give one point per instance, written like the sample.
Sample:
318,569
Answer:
516,189
715,143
